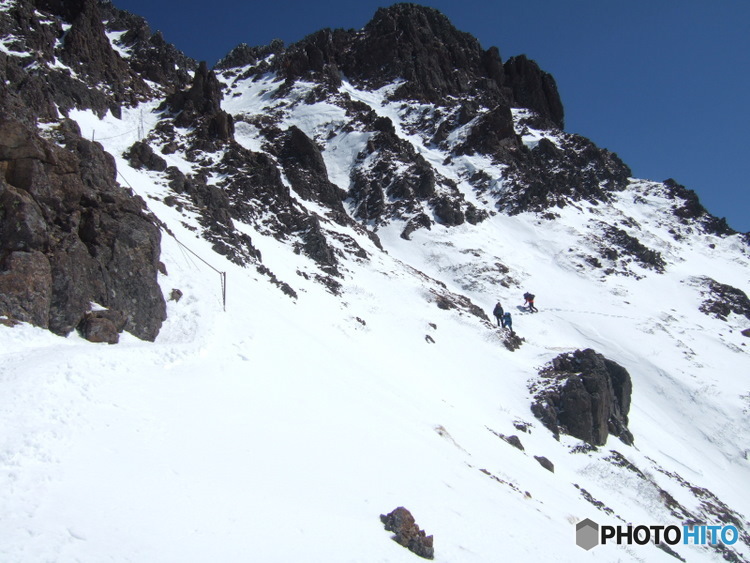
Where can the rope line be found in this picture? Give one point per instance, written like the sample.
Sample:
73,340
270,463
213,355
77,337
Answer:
183,247
93,135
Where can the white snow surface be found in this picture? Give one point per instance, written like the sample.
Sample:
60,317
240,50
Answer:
280,429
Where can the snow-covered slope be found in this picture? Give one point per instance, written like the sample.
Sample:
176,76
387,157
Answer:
277,428
280,429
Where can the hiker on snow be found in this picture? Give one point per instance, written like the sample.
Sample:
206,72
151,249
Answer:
507,321
498,312
529,297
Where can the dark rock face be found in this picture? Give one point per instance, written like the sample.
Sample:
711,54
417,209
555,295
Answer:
468,88
420,45
493,133
585,395
407,533
100,79
391,180
26,287
535,89
72,236
244,55
381,188
306,171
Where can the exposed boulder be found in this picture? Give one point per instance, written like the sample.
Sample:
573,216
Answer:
141,155
514,441
511,340
102,326
585,395
544,462
407,533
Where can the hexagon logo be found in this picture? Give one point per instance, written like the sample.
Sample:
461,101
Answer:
587,534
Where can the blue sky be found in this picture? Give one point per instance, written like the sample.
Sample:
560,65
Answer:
663,83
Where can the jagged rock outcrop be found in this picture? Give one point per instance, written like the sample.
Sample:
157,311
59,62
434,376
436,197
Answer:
406,532
70,236
150,56
585,395
87,54
617,244
554,174
306,171
535,89
691,210
721,300
245,55
199,108
420,46
63,59
473,92
493,133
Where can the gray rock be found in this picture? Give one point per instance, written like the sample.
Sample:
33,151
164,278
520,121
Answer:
544,462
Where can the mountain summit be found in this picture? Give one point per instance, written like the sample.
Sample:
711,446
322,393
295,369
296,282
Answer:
297,253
